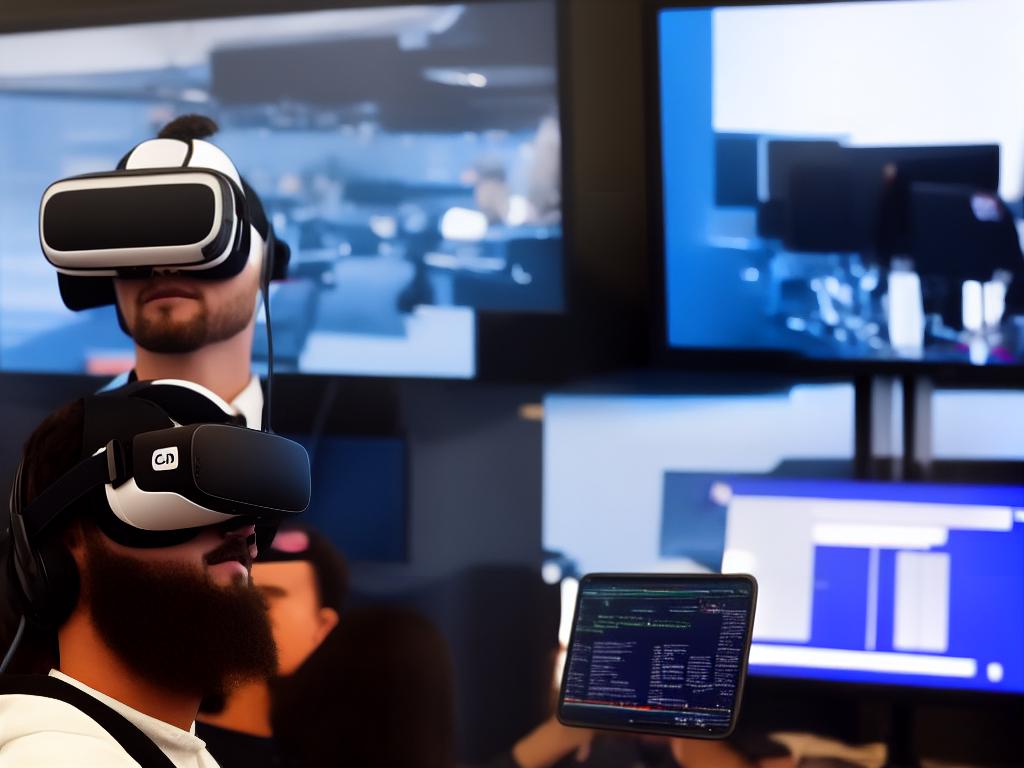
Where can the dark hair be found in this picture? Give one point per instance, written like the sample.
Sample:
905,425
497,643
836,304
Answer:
377,693
188,127
329,567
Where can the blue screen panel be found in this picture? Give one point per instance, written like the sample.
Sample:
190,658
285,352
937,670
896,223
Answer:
822,179
882,583
359,495
409,155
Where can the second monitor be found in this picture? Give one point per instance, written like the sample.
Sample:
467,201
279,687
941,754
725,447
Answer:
883,583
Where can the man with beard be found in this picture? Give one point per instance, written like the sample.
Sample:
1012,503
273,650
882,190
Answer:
184,327
147,622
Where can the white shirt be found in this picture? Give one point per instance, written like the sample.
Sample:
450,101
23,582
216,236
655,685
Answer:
37,732
248,402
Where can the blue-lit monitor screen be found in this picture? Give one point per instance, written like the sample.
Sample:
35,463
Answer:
409,154
843,180
883,583
359,494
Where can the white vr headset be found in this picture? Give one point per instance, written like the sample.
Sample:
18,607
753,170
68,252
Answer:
171,205
169,460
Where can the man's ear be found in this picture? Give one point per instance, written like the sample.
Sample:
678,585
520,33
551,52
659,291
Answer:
327,619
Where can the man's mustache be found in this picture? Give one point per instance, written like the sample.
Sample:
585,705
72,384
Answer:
163,288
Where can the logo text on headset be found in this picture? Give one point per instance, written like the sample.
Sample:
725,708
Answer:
165,459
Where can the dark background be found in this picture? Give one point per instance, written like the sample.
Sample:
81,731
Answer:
474,451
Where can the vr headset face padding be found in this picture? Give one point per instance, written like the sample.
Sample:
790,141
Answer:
170,205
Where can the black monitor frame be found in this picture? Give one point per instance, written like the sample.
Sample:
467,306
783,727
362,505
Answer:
740,360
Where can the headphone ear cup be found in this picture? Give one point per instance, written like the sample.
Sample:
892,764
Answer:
60,584
46,580
279,257
43,580
267,265
22,569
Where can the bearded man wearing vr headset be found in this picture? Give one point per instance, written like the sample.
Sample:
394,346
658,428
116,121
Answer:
133,523
181,244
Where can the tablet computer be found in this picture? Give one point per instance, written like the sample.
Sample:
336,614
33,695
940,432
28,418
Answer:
659,653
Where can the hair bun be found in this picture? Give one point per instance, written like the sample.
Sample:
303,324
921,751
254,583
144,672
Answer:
189,127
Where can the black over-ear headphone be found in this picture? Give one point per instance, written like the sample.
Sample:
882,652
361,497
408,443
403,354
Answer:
44,576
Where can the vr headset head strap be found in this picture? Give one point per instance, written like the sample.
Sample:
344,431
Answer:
45,509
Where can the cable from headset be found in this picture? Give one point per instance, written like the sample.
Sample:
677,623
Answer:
265,290
14,645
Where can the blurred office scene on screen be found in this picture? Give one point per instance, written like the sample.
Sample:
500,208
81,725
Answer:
844,180
410,155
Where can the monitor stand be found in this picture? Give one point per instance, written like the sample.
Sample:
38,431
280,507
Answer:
893,427
894,442
918,392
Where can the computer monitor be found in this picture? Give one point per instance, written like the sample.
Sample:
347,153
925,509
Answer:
960,231
397,149
606,457
849,105
824,197
736,170
877,583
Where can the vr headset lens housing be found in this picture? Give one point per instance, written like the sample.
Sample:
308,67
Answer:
164,485
125,222
171,205
228,470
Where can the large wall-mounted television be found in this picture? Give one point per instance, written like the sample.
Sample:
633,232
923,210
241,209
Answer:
409,154
841,182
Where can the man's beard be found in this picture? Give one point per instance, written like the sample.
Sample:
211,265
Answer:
174,626
162,335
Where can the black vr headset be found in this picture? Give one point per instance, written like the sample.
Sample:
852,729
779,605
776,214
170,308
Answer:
171,205
160,461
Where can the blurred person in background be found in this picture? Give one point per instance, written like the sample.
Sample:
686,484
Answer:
377,693
491,192
304,580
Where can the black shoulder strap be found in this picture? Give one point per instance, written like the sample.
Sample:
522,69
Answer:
137,744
